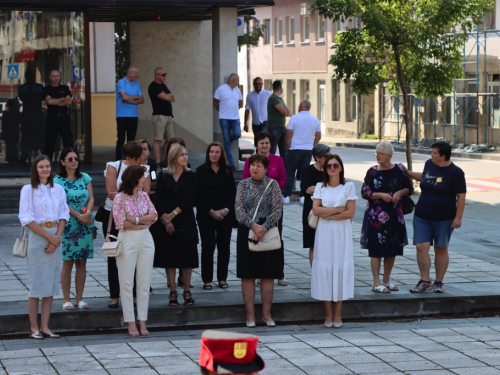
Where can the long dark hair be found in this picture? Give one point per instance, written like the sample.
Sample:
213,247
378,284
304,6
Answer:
35,180
169,144
222,159
62,169
326,177
130,178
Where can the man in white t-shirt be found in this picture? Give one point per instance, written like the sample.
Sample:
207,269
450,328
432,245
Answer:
228,101
302,134
257,103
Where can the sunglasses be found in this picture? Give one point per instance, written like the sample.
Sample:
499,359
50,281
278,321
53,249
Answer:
332,166
70,159
163,75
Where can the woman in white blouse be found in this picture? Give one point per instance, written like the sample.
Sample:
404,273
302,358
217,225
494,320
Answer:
134,213
44,211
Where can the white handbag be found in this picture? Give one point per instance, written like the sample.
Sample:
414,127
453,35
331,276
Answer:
112,248
312,220
20,248
271,240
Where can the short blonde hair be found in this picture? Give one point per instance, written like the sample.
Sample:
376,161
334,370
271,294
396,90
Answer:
174,152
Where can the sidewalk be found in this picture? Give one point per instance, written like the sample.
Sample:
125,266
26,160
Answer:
470,284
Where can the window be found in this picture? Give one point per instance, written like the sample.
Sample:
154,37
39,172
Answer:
268,85
278,31
351,103
335,100
290,35
304,90
321,101
488,20
320,36
292,96
305,29
267,32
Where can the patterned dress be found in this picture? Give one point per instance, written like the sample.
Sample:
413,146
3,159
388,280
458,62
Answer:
384,231
77,240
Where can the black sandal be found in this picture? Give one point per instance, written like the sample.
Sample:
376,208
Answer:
188,299
207,286
173,298
223,285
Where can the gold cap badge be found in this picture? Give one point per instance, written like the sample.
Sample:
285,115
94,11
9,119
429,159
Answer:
240,350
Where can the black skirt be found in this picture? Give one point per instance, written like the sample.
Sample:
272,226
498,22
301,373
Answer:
257,265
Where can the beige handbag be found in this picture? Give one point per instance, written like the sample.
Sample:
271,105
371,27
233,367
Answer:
115,248
21,245
312,220
271,240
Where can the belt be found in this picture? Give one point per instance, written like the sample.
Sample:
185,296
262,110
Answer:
49,224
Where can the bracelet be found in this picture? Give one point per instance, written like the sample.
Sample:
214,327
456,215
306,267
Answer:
174,212
136,221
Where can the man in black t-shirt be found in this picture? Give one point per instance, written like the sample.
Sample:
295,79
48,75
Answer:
163,124
57,97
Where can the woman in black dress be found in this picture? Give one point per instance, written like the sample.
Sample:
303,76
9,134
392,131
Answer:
215,213
176,236
384,231
310,177
264,265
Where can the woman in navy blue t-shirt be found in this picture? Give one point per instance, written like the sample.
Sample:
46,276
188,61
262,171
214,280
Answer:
438,212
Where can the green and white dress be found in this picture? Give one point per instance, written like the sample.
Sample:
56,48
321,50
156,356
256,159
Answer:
77,240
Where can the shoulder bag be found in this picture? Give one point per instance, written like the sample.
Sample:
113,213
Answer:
20,248
271,240
312,220
407,202
112,248
101,214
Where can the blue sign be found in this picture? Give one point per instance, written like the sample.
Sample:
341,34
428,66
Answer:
13,71
70,52
77,73
240,21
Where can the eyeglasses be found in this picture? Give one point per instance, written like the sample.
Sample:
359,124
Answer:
70,159
163,75
333,166
379,154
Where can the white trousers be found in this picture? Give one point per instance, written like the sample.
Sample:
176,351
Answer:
138,252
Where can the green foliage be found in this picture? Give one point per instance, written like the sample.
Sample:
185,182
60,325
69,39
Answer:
121,49
251,38
368,136
431,57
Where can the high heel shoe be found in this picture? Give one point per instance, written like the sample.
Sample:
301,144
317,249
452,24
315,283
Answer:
251,324
328,324
50,334
337,325
269,323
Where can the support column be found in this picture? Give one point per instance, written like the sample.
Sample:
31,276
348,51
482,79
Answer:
224,59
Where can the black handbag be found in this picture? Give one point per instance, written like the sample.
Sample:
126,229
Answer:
408,204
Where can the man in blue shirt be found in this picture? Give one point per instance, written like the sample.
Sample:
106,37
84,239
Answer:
128,96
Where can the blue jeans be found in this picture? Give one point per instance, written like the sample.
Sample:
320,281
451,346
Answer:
295,159
231,131
278,140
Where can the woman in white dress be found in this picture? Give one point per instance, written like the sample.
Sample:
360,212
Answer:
332,275
44,212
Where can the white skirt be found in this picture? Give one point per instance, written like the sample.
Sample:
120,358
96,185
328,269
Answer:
332,274
44,269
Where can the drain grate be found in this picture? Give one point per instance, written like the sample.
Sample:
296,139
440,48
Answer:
475,313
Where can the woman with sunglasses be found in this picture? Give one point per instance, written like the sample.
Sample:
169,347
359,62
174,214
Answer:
332,275
384,231
77,241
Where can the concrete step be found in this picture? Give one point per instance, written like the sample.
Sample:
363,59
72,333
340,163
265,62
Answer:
288,305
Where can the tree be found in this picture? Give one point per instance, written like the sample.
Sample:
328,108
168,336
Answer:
407,43
121,49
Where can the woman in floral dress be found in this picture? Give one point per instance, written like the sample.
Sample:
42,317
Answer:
77,241
384,230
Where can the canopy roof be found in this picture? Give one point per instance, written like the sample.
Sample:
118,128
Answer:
137,10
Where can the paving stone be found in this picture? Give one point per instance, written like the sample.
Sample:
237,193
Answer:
369,368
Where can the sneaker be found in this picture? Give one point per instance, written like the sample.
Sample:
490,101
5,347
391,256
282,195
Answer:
422,286
301,200
286,200
438,286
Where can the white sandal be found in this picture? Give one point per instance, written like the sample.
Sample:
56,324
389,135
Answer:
380,289
68,306
391,287
82,305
